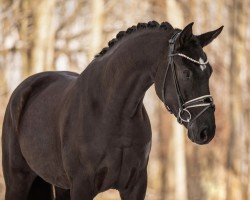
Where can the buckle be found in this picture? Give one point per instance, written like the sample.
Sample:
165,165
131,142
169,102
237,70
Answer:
181,112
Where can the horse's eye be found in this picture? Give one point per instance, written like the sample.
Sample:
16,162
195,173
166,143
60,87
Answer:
187,73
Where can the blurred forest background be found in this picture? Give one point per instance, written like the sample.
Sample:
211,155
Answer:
39,35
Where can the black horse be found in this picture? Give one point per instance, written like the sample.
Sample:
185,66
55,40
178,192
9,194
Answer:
88,133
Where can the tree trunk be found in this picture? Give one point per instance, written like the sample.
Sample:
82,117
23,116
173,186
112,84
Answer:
162,152
97,27
37,32
237,159
25,34
180,163
42,54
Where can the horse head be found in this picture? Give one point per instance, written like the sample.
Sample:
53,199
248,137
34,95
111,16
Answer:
185,87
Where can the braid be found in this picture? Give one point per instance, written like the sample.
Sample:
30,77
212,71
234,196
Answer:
132,29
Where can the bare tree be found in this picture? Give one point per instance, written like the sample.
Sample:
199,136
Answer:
97,26
237,163
37,32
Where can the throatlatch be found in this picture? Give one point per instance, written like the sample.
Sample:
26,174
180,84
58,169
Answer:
205,101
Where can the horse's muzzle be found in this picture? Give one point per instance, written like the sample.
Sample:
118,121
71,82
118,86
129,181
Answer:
201,136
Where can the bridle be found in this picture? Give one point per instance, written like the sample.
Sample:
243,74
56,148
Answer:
205,101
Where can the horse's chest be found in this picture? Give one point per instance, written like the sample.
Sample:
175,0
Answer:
134,160
123,168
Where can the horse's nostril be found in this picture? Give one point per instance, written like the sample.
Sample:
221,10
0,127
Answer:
204,135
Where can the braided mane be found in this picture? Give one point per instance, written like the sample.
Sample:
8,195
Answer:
132,29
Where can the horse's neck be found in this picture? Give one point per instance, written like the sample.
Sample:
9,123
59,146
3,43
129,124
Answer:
126,94
126,74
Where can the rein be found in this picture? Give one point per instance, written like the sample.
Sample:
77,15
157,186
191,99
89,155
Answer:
205,101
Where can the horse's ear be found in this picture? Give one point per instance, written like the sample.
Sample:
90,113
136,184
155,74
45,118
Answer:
185,35
208,37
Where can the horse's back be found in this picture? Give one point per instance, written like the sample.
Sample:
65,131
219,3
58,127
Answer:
34,108
31,87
